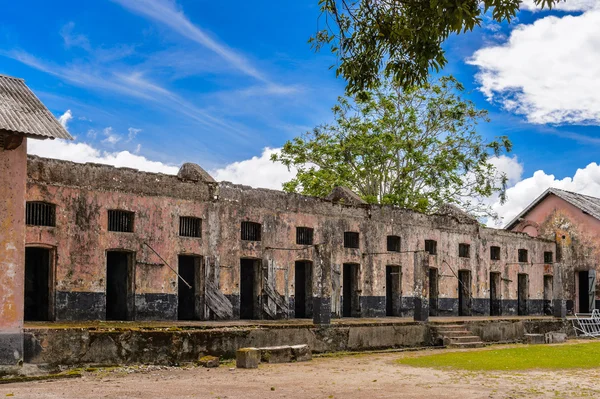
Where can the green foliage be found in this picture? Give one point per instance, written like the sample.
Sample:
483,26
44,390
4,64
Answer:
526,357
400,39
416,148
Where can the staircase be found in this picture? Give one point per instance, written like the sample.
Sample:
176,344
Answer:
455,336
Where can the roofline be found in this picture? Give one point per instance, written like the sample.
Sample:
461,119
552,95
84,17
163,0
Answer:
11,77
515,220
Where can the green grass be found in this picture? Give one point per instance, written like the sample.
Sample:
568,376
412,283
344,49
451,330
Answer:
526,357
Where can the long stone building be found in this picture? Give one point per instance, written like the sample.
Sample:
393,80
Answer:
119,244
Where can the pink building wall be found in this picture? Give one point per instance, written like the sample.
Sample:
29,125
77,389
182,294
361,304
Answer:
13,175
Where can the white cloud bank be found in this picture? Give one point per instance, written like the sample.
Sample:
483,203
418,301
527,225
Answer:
548,70
82,152
256,171
567,6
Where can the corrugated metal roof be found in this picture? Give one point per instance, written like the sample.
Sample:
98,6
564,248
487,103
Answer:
588,204
22,112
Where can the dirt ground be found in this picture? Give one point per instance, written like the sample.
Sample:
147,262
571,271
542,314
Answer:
358,376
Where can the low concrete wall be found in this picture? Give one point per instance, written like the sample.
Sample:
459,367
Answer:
174,345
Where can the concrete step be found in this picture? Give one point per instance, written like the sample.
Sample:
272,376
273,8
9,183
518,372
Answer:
464,339
452,333
449,327
467,345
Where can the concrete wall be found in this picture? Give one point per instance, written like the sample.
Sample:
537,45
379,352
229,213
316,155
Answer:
75,346
13,175
84,193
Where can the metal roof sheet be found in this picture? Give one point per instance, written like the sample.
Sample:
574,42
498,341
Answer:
22,112
588,204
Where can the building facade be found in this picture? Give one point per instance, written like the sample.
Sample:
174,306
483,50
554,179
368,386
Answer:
573,220
105,243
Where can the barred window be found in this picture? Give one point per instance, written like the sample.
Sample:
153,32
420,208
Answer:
120,221
431,247
40,214
495,253
548,257
351,239
522,255
464,250
251,231
190,226
304,235
393,243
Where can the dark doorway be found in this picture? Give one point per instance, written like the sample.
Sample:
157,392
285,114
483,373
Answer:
495,292
119,285
586,291
38,294
188,305
303,289
433,291
249,289
548,294
464,293
350,305
393,288
522,294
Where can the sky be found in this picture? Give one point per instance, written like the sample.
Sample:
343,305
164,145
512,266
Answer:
151,84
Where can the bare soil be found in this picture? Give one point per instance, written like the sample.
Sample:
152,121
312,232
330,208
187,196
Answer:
358,376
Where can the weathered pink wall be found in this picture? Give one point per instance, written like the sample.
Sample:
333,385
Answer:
552,203
13,175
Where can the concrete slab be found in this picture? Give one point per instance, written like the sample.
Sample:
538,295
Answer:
247,358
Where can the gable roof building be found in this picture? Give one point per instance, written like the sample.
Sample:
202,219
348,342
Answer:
22,113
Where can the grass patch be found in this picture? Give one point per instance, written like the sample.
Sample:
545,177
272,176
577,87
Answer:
526,357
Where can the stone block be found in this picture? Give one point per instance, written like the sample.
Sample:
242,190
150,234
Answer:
208,361
555,337
301,353
534,339
276,354
247,358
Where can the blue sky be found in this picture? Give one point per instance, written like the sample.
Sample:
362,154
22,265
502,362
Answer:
216,84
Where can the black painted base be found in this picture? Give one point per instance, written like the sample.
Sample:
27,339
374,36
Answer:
421,309
74,306
155,307
372,306
11,349
322,311
235,303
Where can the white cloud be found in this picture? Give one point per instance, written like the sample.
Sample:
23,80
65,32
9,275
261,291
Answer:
568,5
74,40
256,172
111,137
132,133
65,118
585,181
548,70
82,152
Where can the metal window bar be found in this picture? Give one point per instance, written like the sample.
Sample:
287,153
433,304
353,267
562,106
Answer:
190,226
393,244
522,255
251,231
40,214
548,257
495,253
431,247
120,221
463,250
351,239
304,235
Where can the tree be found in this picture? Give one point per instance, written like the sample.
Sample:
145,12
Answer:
416,148
400,39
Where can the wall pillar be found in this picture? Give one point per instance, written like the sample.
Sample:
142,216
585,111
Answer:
421,272
322,302
13,178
